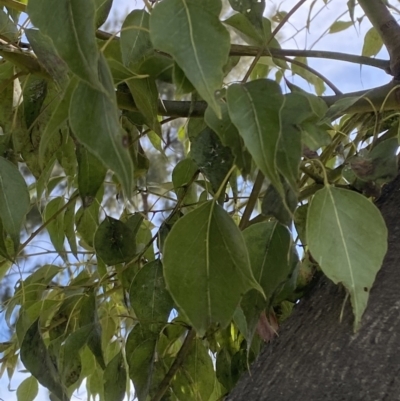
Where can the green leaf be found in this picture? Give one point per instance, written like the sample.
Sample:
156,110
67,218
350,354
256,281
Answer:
140,353
12,188
145,94
58,117
148,295
135,38
229,136
91,175
195,378
70,361
8,29
56,226
37,360
185,172
47,55
103,8
273,205
255,109
87,219
114,242
246,30
272,260
339,26
28,389
69,227
203,46
182,84
347,236
212,158
372,43
71,29
115,379
206,266
89,317
94,120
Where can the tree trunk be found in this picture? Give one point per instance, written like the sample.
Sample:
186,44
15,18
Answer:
316,357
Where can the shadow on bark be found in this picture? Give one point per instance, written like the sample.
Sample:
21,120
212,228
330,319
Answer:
318,358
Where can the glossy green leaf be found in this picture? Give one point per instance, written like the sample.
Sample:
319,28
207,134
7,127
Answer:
36,358
56,226
140,354
372,43
255,109
203,46
89,317
195,378
135,38
115,379
148,295
76,41
28,389
91,175
114,242
12,188
347,236
94,121
206,266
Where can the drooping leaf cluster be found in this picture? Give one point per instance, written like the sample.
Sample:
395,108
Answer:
267,190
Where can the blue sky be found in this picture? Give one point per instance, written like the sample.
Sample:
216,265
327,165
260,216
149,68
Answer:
348,77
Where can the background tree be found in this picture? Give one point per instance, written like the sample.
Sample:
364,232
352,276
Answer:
176,297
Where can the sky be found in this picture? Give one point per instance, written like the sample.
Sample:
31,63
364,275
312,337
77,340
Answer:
347,77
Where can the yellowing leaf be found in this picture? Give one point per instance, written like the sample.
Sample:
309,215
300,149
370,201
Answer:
348,238
372,43
339,26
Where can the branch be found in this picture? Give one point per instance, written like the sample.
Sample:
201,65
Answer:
241,50
162,388
388,28
252,51
386,97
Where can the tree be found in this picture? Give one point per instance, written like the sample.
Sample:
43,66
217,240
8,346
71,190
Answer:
178,301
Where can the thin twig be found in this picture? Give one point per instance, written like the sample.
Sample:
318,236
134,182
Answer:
47,222
273,34
335,89
252,200
180,357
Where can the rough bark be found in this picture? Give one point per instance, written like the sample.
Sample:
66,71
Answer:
316,357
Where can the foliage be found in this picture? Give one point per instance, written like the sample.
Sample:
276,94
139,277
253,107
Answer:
177,301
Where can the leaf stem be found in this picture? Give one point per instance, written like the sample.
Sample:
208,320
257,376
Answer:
252,200
47,222
180,357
